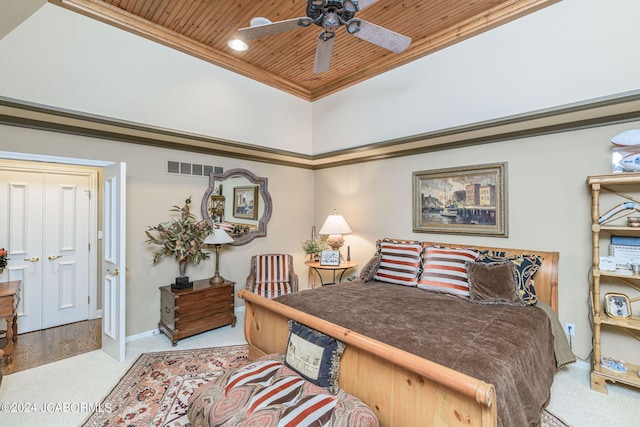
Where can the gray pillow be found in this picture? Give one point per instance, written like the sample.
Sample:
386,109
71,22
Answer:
493,283
370,268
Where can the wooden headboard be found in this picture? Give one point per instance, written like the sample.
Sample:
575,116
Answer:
546,279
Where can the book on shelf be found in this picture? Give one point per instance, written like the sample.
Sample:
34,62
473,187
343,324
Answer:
625,240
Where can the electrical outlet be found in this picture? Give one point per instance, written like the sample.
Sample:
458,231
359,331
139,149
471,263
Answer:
570,329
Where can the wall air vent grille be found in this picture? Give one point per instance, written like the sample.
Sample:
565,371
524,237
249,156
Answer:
191,169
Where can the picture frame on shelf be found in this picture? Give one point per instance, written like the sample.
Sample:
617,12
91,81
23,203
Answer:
617,305
469,200
330,258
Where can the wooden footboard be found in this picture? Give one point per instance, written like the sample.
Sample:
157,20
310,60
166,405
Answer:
401,388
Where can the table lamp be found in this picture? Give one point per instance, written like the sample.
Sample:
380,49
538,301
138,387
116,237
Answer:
335,226
218,237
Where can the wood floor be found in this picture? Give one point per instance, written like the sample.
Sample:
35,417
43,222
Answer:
49,345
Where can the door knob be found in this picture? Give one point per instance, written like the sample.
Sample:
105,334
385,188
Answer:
113,273
54,257
34,259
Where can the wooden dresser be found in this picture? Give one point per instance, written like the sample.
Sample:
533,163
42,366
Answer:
9,297
187,312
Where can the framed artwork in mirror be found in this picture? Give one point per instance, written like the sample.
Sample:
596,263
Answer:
245,202
244,230
468,200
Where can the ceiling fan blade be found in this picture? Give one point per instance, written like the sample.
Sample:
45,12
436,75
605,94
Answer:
377,35
323,53
250,33
365,3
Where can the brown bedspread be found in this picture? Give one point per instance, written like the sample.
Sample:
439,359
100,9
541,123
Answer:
509,347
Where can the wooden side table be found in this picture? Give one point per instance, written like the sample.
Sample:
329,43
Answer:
190,311
342,268
9,297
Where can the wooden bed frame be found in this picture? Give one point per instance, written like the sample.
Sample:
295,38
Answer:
401,388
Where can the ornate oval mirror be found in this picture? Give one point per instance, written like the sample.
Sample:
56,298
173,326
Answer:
239,202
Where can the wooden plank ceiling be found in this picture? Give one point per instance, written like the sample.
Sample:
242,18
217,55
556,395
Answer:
285,61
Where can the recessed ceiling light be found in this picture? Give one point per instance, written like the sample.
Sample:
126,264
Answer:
237,45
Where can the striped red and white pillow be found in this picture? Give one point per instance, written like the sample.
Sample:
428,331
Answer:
254,373
399,263
284,390
444,270
272,268
310,410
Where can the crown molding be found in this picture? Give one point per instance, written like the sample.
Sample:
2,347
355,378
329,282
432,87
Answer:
618,108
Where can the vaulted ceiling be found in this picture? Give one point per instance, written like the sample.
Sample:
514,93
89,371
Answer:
285,61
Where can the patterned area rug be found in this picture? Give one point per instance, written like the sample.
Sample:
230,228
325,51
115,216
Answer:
155,390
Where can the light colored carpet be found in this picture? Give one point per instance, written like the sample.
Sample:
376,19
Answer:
61,393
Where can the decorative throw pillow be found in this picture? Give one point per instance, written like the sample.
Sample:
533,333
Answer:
526,268
399,262
493,283
369,270
444,270
314,355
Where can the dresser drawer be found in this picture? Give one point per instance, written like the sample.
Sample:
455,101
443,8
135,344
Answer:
204,297
6,305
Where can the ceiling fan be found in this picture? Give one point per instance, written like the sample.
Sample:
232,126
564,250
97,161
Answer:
330,15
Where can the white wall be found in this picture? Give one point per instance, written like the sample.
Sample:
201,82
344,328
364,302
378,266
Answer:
572,51
150,195
63,59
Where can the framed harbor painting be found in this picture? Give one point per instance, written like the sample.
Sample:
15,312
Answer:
464,200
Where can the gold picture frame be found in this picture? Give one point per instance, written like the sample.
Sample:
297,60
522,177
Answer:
463,200
245,202
617,305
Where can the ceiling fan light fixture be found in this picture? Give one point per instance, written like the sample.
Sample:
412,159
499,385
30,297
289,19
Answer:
259,20
238,45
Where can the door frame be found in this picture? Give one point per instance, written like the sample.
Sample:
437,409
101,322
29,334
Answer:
39,162
93,174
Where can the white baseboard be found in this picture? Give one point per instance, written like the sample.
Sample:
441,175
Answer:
238,311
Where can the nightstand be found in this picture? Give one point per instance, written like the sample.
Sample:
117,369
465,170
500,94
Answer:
342,268
190,311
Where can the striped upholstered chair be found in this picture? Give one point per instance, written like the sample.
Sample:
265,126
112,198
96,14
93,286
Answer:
272,275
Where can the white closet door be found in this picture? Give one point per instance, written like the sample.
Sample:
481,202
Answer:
21,233
44,224
66,249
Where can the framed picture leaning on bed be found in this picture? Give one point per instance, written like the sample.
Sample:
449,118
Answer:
462,200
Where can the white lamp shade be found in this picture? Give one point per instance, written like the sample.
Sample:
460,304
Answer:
217,237
335,224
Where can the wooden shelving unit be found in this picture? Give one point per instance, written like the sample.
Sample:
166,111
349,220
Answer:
599,184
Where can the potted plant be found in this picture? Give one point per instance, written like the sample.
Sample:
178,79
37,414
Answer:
3,259
181,238
313,247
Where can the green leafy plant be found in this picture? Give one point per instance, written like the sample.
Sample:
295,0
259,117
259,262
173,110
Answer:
314,245
181,237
